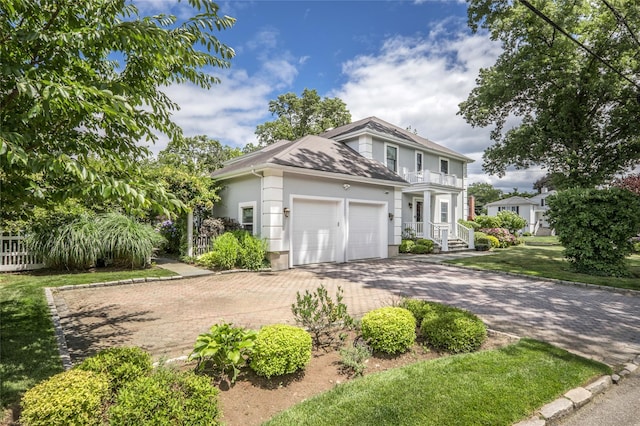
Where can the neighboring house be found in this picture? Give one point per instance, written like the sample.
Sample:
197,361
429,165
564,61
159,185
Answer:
530,209
346,194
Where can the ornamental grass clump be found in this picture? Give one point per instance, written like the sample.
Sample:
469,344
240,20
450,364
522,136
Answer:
129,242
74,397
73,244
280,349
389,330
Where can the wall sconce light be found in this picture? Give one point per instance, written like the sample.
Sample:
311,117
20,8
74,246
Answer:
286,211
391,216
410,205
346,186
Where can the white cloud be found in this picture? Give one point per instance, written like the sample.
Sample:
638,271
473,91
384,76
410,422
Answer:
419,82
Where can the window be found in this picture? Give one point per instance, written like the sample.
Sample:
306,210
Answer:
515,209
391,157
444,166
418,162
444,211
246,216
542,202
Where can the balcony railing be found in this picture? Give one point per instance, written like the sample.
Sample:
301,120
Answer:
426,176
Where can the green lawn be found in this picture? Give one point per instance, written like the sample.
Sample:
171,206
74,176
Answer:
498,387
548,261
28,348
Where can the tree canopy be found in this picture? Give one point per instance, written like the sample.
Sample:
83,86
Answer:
300,116
80,87
197,154
484,193
578,118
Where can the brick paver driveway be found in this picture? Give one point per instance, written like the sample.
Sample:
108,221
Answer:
165,317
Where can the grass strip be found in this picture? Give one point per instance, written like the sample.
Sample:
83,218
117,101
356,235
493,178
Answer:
28,348
497,387
549,262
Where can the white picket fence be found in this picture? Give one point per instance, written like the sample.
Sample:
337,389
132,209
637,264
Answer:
201,245
14,255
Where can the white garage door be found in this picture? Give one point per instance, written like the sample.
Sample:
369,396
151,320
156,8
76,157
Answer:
314,231
367,236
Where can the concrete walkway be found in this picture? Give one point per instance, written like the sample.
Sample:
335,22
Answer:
181,268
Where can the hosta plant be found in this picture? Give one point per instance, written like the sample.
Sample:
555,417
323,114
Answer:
224,349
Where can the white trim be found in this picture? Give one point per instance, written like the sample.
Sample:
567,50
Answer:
387,145
244,205
309,172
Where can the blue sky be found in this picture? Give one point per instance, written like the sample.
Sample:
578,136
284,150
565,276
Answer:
407,62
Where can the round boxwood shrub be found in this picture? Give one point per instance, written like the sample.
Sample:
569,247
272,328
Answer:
495,242
280,349
421,249
166,397
424,309
74,397
390,329
454,330
406,245
120,365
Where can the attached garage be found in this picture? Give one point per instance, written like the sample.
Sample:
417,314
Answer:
367,236
318,230
315,236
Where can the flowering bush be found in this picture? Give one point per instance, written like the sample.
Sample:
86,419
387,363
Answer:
503,235
170,230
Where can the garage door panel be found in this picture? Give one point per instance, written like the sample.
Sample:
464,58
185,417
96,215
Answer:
315,231
365,231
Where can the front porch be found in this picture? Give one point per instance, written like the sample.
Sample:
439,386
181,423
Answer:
446,237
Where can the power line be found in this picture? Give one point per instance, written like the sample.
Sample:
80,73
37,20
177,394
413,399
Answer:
576,41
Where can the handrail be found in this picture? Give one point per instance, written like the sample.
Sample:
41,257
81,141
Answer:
427,176
466,235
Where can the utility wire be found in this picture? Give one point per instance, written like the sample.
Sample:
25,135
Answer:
576,41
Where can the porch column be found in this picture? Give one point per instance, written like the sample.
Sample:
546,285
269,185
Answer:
454,215
426,214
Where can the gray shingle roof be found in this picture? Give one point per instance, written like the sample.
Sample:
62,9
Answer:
311,153
381,126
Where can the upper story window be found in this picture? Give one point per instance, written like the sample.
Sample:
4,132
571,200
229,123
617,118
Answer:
391,157
418,161
444,166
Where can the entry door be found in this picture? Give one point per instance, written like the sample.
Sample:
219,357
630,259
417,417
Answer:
419,211
315,236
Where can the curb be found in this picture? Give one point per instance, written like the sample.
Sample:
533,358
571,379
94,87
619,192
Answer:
576,398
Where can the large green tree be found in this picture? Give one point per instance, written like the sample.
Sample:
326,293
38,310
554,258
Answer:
197,154
484,193
300,116
81,86
578,117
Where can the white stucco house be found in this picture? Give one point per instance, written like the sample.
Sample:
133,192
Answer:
530,209
346,194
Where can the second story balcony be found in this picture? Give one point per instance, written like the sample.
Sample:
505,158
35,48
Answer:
429,177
